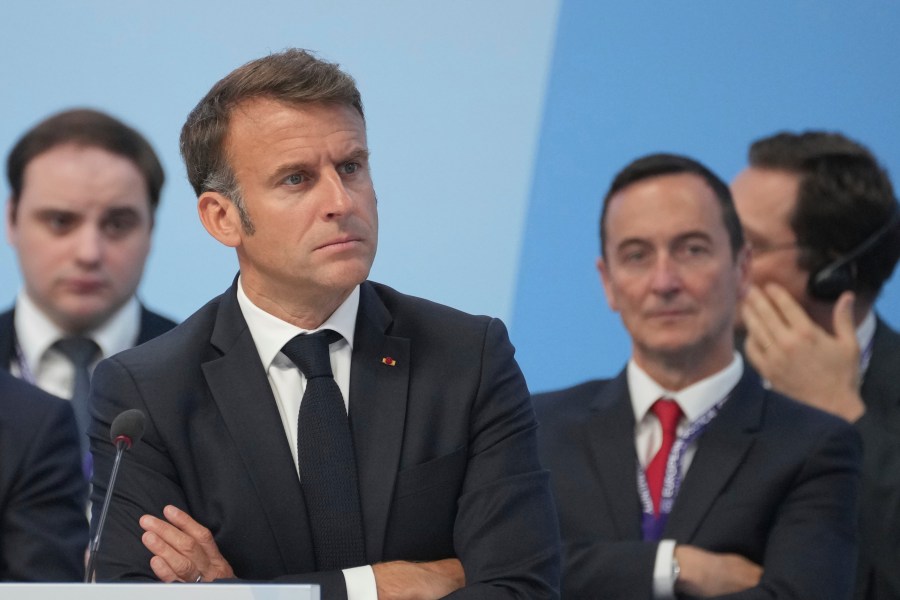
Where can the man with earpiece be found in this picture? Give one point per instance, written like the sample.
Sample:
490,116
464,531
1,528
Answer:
823,224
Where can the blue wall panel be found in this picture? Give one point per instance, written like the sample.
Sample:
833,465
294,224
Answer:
702,78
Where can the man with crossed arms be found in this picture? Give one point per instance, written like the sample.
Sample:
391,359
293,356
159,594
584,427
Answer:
251,466
683,475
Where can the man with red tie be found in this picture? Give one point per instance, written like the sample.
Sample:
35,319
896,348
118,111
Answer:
684,476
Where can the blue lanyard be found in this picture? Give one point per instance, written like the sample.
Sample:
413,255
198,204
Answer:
652,524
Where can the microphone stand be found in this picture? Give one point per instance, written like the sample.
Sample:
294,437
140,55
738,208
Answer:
123,443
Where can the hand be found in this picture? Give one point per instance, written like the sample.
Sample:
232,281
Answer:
799,358
705,573
401,580
183,549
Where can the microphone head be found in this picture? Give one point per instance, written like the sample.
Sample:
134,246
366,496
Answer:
128,427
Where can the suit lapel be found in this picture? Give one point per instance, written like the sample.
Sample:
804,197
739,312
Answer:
879,389
7,339
378,396
610,436
241,390
720,452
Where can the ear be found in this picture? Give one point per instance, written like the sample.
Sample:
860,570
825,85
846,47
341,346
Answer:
608,288
10,223
220,218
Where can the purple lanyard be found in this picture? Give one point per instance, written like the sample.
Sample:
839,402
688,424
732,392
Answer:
24,371
652,525
865,358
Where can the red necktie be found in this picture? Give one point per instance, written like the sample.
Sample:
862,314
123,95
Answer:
668,412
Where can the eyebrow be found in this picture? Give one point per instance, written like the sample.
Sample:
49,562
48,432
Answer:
360,153
631,242
681,237
50,211
120,211
689,235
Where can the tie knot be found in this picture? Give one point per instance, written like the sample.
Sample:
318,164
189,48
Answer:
309,351
668,412
80,350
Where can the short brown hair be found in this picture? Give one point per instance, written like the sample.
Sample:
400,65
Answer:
657,165
89,128
844,198
293,76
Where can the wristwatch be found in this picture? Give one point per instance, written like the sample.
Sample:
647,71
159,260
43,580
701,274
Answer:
676,570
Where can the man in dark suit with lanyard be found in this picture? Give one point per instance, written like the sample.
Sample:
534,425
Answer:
683,476
84,188
824,227
429,486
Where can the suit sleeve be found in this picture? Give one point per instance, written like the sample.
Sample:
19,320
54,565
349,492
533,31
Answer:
812,544
506,533
601,555
147,481
43,533
880,504
797,520
810,550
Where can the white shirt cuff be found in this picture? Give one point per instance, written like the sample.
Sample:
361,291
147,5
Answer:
361,583
663,584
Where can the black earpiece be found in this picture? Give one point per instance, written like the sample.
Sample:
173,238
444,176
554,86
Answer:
835,278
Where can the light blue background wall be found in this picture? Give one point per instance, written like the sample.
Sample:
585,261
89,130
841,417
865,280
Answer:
495,125
703,78
453,94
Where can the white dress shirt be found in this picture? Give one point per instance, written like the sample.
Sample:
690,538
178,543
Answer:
270,334
694,400
38,362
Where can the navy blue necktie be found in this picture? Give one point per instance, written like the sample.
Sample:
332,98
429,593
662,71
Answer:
326,458
81,352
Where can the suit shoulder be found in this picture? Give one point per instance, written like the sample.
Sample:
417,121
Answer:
803,420
883,329
588,388
885,353
179,339
419,314
153,325
24,407
556,404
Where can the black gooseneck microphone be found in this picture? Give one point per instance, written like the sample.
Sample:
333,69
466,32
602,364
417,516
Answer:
126,431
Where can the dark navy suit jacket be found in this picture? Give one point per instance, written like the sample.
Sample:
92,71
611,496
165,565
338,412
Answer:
43,494
772,480
444,434
879,564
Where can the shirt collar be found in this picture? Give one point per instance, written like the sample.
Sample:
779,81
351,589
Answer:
270,333
694,400
865,334
866,330
35,332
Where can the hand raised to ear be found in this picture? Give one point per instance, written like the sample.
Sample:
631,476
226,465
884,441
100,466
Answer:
801,359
